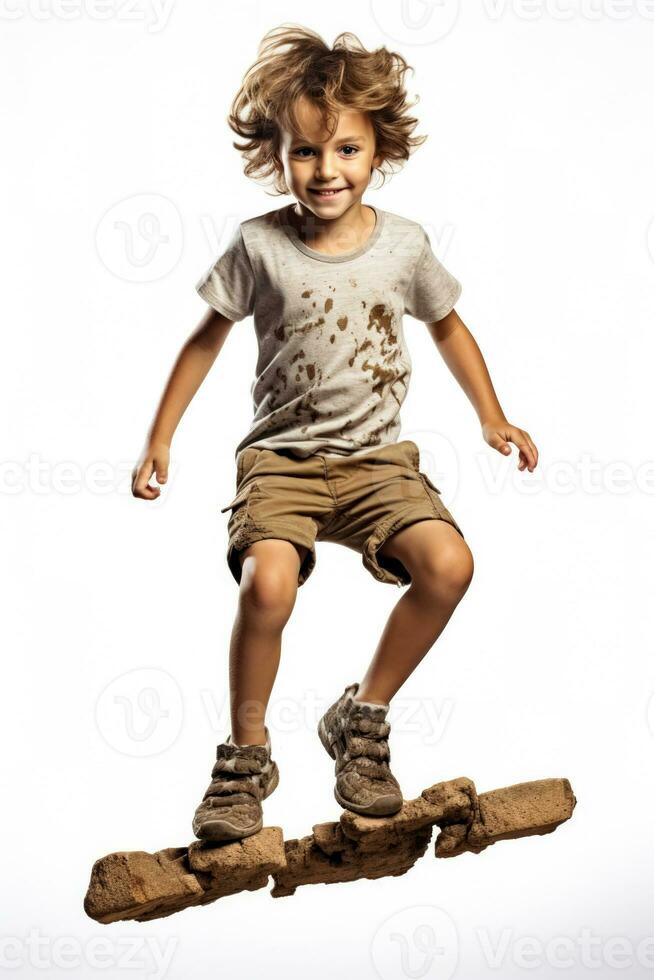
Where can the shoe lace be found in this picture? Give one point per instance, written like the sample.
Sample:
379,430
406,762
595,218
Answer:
227,782
366,741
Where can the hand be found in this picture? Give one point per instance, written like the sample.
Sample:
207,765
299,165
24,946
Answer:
500,433
154,459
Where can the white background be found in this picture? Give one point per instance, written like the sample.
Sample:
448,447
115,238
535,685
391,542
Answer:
536,188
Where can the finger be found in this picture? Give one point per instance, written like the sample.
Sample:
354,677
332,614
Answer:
533,448
143,475
525,449
531,455
497,442
141,487
161,470
147,492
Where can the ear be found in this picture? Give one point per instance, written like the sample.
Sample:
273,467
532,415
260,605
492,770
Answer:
376,161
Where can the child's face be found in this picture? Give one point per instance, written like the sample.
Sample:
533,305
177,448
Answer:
344,162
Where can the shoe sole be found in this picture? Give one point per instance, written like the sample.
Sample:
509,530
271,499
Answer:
220,830
384,806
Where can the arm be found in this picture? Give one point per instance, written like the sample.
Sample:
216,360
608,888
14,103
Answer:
460,352
191,367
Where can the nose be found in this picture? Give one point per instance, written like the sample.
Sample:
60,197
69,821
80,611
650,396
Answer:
326,167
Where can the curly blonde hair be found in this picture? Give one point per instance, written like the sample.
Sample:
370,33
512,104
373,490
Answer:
293,61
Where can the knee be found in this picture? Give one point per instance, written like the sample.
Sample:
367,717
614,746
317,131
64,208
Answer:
268,589
449,572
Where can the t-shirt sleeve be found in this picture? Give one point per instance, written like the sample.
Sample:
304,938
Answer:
433,291
228,285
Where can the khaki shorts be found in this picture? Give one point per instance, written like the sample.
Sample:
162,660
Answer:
356,501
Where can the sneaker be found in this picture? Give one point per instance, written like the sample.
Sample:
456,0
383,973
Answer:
242,776
355,734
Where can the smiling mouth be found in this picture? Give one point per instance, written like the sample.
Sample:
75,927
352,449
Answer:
331,193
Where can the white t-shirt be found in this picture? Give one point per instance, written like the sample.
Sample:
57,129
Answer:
333,367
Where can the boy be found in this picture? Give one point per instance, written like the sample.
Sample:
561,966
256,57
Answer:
327,280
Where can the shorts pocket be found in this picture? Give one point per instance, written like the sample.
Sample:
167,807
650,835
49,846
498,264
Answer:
434,495
246,461
240,497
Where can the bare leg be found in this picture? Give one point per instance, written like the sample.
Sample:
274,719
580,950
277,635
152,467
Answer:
267,595
441,566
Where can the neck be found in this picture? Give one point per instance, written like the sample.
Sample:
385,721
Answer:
341,234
